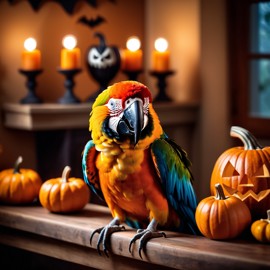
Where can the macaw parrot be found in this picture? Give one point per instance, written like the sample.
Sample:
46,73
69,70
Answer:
142,175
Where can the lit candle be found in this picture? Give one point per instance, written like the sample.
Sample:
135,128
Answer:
161,56
132,56
70,54
31,57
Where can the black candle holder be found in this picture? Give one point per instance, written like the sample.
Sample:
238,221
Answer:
31,97
132,74
69,84
161,84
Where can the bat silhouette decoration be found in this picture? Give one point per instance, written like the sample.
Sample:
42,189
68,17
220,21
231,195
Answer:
68,6
92,22
35,4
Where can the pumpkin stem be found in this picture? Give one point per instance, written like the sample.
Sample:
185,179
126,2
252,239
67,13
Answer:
102,41
219,192
268,214
250,142
17,165
65,174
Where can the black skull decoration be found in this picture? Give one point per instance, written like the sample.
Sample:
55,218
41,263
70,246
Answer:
103,63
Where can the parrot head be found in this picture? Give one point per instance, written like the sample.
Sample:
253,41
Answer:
121,113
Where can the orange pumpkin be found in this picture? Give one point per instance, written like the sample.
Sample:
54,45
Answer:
220,217
19,186
260,229
63,195
245,172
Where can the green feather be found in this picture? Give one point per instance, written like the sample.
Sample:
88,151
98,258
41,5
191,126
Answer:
102,98
172,166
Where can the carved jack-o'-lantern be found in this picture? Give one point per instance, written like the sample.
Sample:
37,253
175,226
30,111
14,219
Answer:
245,172
103,63
102,59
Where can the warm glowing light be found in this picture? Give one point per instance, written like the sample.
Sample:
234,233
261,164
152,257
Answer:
133,44
30,44
69,42
161,44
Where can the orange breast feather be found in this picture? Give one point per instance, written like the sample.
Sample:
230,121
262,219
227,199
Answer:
132,191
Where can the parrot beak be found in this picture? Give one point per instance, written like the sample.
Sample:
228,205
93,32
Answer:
132,121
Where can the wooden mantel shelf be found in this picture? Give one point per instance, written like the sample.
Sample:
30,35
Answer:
69,116
66,237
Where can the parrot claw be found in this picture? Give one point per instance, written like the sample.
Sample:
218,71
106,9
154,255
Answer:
145,236
105,233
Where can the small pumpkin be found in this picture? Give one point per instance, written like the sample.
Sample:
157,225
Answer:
64,195
245,172
220,217
260,229
19,185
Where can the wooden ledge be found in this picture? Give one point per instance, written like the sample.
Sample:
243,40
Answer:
66,237
70,116
46,116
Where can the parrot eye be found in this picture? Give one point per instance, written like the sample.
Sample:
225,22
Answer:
115,106
127,101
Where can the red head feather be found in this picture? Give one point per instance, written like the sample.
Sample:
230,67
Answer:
126,89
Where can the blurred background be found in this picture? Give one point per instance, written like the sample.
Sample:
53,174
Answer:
207,47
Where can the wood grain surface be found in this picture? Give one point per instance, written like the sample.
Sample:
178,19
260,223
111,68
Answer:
67,236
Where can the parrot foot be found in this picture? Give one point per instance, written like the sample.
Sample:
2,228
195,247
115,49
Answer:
105,233
145,235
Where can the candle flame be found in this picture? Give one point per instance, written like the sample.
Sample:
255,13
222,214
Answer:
69,42
133,44
161,44
30,44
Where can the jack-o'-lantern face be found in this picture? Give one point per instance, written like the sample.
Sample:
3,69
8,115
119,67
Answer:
255,184
103,61
245,173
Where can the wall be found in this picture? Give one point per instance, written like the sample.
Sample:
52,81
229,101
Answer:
178,22
195,29
49,25
214,120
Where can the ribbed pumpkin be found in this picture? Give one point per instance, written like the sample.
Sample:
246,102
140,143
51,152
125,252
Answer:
64,194
245,172
260,229
18,185
219,217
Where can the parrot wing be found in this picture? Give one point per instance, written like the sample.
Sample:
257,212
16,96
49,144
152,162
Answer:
90,173
172,166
